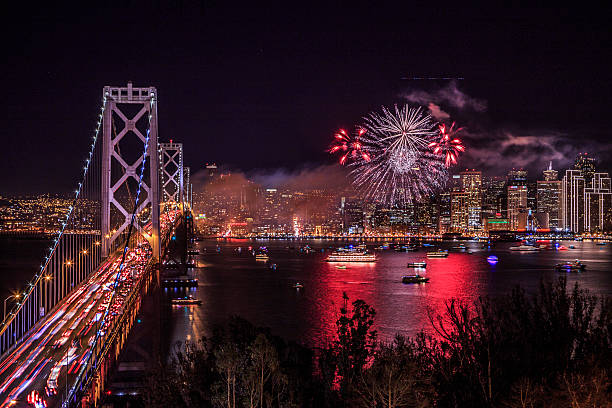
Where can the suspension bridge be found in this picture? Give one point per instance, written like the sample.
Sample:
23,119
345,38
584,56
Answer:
64,329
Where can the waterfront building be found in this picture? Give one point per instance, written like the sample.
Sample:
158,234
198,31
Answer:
572,201
496,224
586,165
471,184
548,199
493,196
352,216
444,218
517,207
598,204
460,214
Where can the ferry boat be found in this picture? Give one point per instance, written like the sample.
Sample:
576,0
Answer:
358,254
262,257
440,253
298,286
179,282
417,265
188,300
575,266
414,279
524,248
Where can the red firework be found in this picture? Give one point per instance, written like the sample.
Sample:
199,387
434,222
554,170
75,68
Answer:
349,146
448,146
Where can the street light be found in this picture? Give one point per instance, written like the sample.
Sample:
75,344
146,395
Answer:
16,296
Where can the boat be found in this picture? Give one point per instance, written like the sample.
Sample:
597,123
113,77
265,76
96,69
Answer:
262,257
351,254
524,248
569,266
600,243
417,265
440,253
459,247
414,279
179,282
298,286
341,266
187,300
411,248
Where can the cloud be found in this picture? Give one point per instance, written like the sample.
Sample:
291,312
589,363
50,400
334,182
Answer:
449,95
437,113
496,152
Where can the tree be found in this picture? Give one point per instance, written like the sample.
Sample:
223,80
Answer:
393,380
264,361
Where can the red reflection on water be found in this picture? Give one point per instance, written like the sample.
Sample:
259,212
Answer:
401,308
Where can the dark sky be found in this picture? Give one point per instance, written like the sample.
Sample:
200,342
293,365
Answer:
264,86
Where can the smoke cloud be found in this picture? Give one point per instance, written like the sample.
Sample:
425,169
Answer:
437,112
450,95
309,177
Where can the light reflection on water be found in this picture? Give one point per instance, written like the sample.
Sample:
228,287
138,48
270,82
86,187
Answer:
235,284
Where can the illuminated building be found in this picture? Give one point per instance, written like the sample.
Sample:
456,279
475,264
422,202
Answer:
493,196
496,224
352,216
471,184
598,204
548,199
517,207
572,201
517,177
444,219
586,165
460,213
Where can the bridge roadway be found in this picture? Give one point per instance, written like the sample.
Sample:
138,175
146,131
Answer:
41,368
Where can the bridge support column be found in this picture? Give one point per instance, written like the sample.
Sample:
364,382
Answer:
116,212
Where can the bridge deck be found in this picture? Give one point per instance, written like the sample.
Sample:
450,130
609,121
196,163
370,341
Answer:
48,359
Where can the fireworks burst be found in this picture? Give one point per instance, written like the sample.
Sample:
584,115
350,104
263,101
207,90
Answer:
349,146
448,146
401,168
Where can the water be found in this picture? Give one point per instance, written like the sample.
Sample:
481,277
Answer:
20,259
233,283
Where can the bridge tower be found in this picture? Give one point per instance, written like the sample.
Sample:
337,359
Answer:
187,186
171,163
130,112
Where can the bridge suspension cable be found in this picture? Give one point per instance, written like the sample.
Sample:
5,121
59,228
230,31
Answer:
73,254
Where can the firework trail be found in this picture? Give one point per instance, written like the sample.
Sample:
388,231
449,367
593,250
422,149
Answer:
349,146
401,168
449,146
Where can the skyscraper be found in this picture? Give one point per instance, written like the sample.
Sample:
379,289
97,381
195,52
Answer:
460,214
572,201
517,177
517,207
598,204
493,197
586,165
548,199
471,184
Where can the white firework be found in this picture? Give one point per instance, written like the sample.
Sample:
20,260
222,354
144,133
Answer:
402,169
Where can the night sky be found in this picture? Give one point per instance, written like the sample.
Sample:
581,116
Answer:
261,87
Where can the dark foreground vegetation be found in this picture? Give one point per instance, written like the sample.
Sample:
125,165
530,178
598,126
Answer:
552,349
